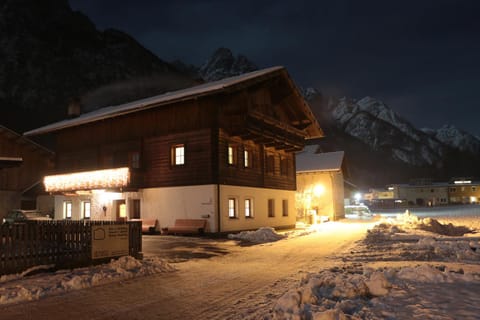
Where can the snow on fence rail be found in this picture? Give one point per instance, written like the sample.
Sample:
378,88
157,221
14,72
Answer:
59,243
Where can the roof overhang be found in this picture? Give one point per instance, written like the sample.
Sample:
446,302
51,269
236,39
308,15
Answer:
9,162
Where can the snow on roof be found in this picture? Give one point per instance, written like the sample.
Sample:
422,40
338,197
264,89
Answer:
309,161
169,97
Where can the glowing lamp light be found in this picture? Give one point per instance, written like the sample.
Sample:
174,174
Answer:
357,196
462,182
318,190
98,179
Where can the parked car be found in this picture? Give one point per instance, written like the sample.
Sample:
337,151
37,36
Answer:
18,216
357,211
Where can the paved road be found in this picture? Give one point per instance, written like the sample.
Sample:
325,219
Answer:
216,279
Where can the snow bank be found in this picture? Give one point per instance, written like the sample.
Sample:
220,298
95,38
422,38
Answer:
17,288
408,220
262,235
424,291
336,294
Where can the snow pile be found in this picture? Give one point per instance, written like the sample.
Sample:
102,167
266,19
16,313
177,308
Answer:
410,221
17,288
336,294
262,235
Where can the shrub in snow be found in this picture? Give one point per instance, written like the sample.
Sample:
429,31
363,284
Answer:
262,235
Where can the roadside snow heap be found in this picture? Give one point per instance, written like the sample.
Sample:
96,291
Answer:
16,288
428,224
262,235
373,294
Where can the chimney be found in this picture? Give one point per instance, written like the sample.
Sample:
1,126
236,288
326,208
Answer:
74,108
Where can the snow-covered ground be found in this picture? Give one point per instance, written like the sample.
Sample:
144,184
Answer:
405,267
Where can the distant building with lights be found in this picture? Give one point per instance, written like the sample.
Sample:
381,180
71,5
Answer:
222,151
425,193
320,185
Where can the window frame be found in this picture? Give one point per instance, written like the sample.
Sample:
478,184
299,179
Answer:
232,154
177,159
232,210
284,207
67,209
248,209
271,208
84,209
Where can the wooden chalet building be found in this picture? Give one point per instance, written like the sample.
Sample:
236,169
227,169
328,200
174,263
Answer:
23,163
222,151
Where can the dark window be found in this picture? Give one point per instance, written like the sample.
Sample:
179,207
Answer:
283,166
270,166
135,210
285,208
271,208
134,159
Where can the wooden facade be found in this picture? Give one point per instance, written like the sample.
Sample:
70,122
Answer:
23,164
242,131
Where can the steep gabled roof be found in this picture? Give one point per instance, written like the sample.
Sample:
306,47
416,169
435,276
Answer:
21,140
224,85
309,161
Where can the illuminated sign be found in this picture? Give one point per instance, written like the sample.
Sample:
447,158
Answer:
463,182
98,179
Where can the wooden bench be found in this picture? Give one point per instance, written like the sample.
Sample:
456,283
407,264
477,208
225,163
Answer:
188,226
148,225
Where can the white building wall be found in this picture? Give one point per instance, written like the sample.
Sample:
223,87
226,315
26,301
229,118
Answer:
260,218
190,202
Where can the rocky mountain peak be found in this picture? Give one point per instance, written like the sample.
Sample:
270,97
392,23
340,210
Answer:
223,64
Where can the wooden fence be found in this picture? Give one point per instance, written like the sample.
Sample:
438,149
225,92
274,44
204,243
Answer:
60,243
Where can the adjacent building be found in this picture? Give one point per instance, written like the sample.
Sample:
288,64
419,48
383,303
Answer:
222,151
23,163
320,185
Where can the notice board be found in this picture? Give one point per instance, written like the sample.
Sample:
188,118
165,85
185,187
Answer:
109,241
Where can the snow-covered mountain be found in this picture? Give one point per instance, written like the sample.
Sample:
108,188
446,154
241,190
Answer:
374,123
455,138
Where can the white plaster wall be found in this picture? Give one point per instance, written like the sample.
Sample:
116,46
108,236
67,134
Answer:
260,198
97,200
190,202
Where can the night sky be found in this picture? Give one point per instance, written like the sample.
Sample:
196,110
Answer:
421,57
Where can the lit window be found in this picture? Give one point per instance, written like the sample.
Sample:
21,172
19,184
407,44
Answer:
248,208
232,208
67,209
285,208
86,209
232,155
246,159
178,154
271,208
